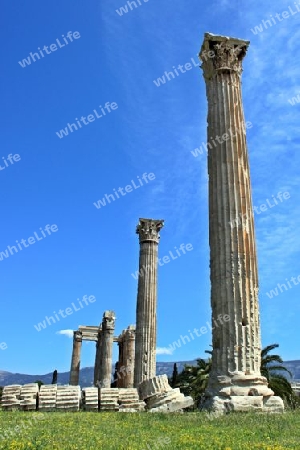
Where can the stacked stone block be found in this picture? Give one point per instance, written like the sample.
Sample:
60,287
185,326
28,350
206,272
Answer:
11,397
109,399
129,401
68,398
29,397
47,397
90,399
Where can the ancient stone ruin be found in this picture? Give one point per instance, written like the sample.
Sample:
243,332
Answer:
235,381
137,387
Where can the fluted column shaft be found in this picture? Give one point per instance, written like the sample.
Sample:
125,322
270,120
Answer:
75,362
233,262
120,375
107,339
129,356
98,358
145,347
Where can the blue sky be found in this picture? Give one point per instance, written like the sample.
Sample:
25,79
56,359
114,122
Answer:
56,180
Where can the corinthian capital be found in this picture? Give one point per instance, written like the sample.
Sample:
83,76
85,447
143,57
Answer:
222,54
108,321
148,230
77,336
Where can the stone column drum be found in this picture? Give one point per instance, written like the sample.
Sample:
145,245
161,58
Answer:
235,381
120,363
98,358
128,356
75,362
145,346
108,328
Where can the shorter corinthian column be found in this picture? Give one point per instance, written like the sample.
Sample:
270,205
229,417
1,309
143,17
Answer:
145,347
75,363
108,328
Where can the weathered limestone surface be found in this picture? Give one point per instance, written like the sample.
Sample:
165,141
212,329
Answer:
155,386
68,398
109,399
160,397
126,342
145,345
29,397
90,399
129,401
98,357
47,397
75,363
233,262
11,397
107,337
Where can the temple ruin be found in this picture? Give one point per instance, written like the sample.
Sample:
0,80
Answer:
104,338
235,381
135,386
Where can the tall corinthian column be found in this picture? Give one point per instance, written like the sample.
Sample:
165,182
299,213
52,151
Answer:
145,344
75,362
233,264
107,340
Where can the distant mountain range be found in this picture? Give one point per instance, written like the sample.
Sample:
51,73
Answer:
87,374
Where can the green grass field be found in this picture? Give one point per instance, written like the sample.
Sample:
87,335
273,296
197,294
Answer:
145,431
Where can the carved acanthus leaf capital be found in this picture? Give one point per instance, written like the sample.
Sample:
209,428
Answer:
77,336
148,230
222,54
108,321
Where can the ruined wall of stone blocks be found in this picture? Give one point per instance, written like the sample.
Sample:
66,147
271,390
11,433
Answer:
155,395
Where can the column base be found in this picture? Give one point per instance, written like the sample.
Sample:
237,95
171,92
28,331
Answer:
221,405
240,392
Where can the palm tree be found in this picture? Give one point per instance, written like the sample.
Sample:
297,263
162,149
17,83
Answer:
270,366
193,379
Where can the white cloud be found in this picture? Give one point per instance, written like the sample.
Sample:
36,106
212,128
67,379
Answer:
164,351
68,333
